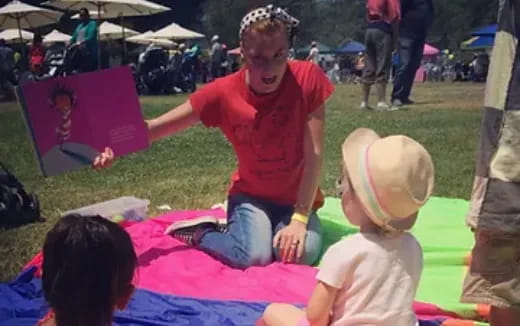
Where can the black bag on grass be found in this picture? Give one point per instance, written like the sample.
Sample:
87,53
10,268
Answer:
17,207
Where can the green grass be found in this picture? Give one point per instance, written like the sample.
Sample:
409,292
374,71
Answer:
192,170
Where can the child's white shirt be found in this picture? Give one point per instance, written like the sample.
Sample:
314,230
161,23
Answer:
377,278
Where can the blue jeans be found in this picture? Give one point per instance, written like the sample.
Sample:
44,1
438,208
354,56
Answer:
252,224
410,57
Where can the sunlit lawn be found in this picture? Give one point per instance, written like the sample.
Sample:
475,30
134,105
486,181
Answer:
191,170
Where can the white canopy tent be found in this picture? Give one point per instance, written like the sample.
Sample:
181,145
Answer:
56,37
13,35
110,31
176,32
147,39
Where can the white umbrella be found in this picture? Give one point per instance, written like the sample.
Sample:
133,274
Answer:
142,36
176,32
109,31
93,13
55,37
12,35
110,8
146,39
19,15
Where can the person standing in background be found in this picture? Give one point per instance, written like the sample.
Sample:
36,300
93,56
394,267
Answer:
417,18
383,17
36,54
494,216
86,38
7,64
292,53
217,57
314,53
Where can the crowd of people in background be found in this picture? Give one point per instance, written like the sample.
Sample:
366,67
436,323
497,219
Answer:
445,67
395,42
157,69
179,67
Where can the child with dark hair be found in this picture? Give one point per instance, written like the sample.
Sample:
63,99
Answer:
36,54
88,268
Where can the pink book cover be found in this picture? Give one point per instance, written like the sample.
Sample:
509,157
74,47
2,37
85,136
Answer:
73,119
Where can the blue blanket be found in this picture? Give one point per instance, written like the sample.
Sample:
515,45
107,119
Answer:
22,304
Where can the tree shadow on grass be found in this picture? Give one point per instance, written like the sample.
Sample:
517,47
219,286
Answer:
152,254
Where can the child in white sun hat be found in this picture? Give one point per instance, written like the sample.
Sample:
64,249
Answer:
371,278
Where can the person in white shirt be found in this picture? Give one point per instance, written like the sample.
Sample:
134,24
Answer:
314,53
371,278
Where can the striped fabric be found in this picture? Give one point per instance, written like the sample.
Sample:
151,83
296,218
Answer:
375,207
496,191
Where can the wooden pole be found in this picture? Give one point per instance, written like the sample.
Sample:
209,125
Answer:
98,4
22,43
123,57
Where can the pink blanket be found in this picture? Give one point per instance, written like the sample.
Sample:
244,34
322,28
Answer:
170,267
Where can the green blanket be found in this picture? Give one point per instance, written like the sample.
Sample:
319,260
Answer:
446,243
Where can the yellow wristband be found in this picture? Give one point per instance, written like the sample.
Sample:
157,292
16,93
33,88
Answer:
300,218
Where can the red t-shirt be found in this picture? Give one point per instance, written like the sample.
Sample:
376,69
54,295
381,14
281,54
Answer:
266,131
36,55
388,11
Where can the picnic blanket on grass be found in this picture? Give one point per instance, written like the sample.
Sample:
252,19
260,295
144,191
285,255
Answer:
176,273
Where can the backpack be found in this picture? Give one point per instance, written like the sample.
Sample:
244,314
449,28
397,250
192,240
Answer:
17,207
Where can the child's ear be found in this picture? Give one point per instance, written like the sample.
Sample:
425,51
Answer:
123,301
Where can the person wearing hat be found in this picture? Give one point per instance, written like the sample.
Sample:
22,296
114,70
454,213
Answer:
217,55
371,278
314,53
272,111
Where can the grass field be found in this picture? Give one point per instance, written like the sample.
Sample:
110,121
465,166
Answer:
192,170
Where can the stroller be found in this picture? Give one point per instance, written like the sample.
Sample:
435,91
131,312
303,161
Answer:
152,73
186,78
55,61
181,73
58,62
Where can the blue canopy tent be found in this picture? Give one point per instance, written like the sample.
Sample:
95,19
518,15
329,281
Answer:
478,43
488,31
351,47
482,38
324,49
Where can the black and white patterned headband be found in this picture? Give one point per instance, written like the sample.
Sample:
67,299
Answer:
269,12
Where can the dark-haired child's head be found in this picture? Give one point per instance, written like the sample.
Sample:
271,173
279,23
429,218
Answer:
88,269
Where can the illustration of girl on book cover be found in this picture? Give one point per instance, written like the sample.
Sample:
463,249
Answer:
66,154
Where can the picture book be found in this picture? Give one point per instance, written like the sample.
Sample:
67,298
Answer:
72,119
